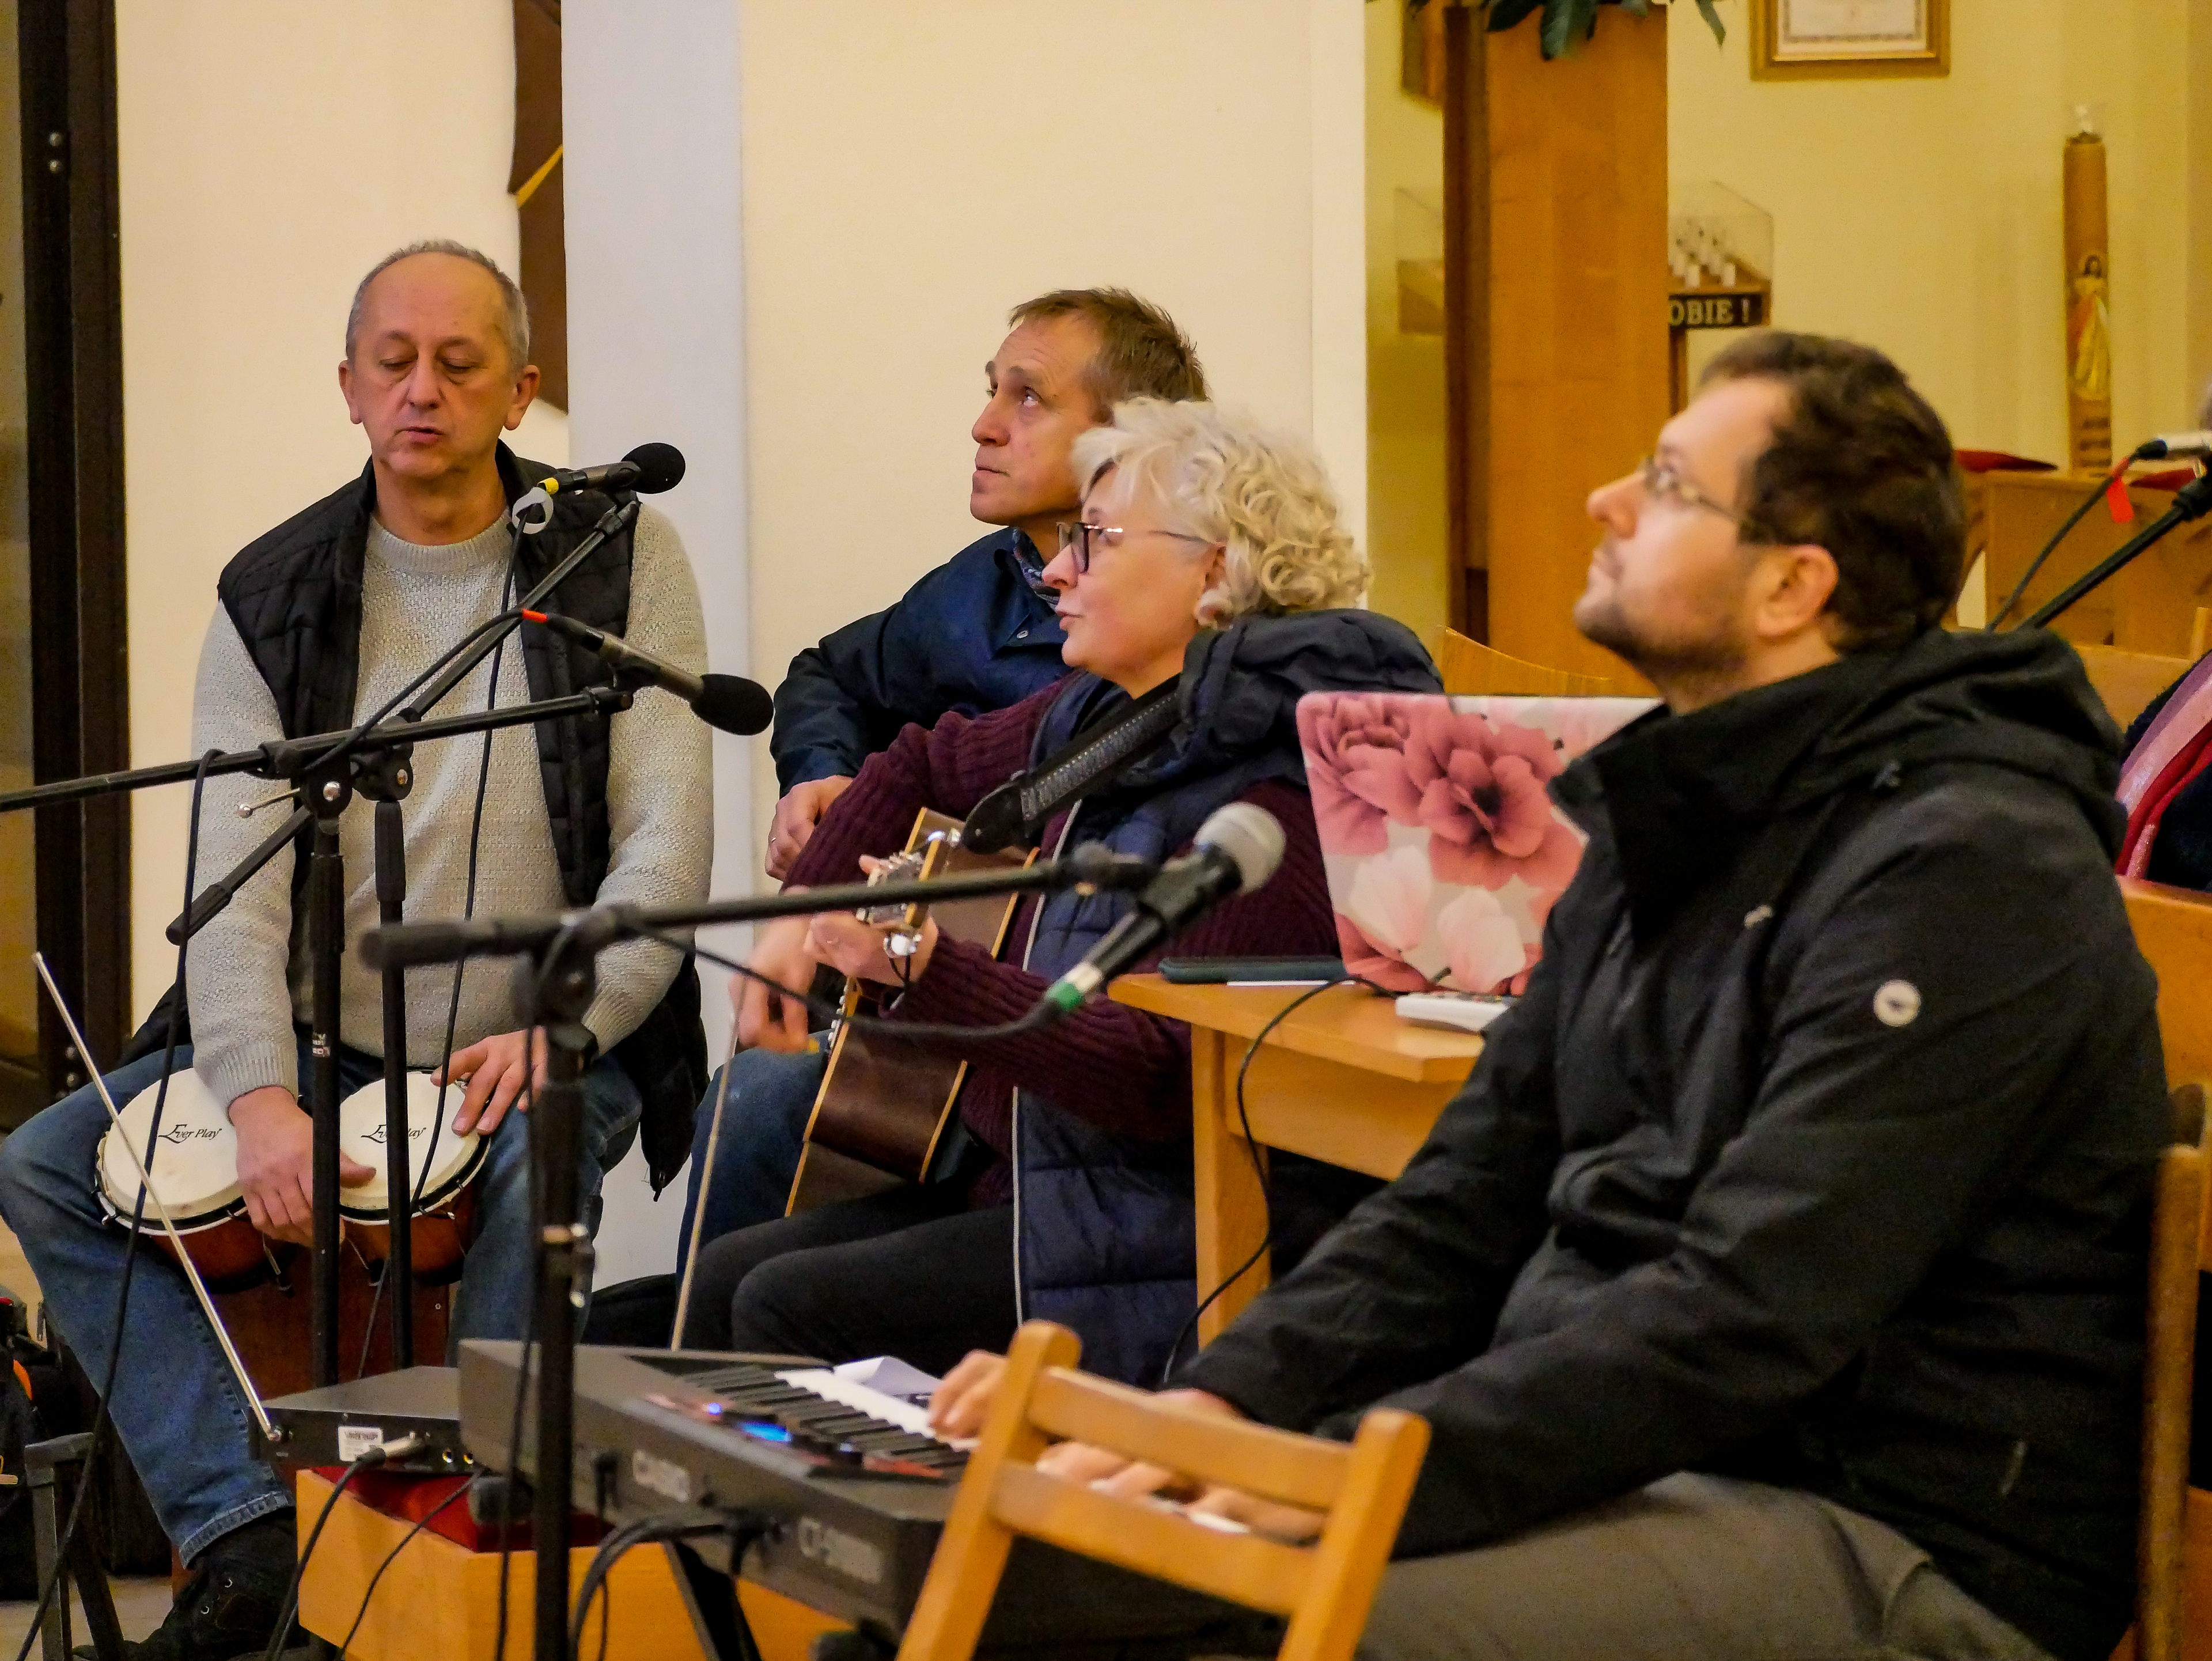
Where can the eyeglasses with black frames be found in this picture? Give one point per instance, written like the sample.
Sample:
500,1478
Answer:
1083,540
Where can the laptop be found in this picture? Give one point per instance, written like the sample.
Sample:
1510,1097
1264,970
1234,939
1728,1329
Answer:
1444,851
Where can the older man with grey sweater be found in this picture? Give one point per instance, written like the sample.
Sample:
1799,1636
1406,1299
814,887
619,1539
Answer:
319,624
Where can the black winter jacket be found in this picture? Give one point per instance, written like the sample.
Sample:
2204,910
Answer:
1817,1152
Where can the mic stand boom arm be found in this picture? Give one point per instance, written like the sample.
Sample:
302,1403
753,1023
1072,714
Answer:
324,770
2193,501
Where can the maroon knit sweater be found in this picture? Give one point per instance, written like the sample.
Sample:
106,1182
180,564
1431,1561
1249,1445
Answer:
1122,1069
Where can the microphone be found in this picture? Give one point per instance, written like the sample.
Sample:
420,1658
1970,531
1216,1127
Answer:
1235,851
648,470
2175,444
730,703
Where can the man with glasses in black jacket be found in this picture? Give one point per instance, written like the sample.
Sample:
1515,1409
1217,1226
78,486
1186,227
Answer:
1776,1286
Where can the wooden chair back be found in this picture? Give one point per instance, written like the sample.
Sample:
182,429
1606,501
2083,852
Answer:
2176,1253
1324,1588
1473,670
2173,930
2128,681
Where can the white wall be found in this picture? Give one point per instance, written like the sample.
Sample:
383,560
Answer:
270,152
656,350
909,177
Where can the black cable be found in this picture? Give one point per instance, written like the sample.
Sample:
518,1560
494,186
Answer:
376,1456
1259,1165
359,729
421,1522
2050,547
453,1007
911,1032
743,1528
101,1418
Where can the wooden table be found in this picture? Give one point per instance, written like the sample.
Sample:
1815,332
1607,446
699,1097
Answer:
1342,1078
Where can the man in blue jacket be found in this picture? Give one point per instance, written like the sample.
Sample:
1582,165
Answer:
977,633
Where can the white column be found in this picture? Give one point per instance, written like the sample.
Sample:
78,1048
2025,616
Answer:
656,350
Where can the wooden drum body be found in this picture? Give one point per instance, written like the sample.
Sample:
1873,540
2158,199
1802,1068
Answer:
193,1166
445,1215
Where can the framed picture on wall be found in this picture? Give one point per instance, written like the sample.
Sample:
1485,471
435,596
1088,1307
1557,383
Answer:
1802,40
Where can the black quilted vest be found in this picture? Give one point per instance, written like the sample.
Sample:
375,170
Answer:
295,597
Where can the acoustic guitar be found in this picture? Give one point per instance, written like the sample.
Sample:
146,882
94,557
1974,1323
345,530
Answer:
884,1106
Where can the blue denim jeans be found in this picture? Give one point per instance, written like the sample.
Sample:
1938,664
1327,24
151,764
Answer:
181,1417
771,1096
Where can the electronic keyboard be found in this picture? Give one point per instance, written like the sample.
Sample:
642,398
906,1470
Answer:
855,1484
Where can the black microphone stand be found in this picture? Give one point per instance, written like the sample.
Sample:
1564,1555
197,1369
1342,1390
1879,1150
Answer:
324,770
2193,501
553,990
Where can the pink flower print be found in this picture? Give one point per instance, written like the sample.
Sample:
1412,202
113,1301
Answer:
1482,945
1356,767
1482,799
1367,961
1390,899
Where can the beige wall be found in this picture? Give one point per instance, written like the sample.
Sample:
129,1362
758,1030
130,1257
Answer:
1923,215
1406,450
906,182
270,151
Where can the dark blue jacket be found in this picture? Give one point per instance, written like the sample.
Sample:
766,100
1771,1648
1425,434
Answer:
1104,1223
975,635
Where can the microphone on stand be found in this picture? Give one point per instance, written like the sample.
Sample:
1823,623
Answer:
2175,444
730,703
648,470
1236,850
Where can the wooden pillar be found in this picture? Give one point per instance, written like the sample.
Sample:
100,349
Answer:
1556,303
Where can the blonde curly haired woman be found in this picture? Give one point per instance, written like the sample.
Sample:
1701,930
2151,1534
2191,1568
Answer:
1208,553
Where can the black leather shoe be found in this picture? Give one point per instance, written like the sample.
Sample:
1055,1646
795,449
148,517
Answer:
229,1607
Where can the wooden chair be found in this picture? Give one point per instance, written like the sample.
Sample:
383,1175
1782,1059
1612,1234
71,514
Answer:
2173,930
2128,681
2178,1252
1324,1588
1472,669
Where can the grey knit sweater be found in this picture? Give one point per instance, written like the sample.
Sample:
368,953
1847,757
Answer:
247,973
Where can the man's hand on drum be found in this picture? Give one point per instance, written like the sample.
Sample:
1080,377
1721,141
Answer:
497,1068
276,1164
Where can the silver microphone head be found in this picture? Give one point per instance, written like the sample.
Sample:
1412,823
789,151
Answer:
1251,836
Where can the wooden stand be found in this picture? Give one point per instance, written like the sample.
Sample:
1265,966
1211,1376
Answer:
441,1600
1556,351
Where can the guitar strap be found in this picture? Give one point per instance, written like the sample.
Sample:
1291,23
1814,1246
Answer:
1018,810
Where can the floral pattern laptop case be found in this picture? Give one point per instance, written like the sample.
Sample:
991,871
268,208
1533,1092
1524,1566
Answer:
1443,850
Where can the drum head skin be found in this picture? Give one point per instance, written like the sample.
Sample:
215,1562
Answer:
194,1163
452,1161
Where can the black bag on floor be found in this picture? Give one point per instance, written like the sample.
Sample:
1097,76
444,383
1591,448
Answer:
60,1401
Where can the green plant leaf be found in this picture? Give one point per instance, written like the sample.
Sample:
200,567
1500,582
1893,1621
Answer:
1564,22
1504,13
1712,15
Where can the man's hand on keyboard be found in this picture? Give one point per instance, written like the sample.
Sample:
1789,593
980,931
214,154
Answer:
963,1400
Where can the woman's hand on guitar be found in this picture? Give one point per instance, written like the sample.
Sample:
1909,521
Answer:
496,1070
767,1019
276,1164
862,950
